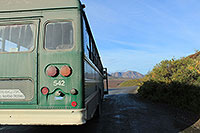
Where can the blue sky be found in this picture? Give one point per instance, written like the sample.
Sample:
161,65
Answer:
138,34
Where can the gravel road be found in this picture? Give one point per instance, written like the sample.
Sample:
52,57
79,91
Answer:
124,112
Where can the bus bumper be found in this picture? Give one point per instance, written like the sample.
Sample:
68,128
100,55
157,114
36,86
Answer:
42,116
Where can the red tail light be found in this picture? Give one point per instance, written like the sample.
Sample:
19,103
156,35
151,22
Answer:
66,71
74,104
45,90
52,71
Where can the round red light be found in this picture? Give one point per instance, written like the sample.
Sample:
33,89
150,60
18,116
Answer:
66,71
74,104
45,90
52,71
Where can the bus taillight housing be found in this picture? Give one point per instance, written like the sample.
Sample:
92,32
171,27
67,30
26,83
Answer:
74,104
52,71
44,90
66,71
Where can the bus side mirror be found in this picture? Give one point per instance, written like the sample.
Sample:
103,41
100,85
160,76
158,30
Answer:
105,77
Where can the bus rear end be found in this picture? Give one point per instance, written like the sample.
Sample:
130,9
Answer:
41,75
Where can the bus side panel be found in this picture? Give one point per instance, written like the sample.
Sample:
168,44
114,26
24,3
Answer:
93,88
93,79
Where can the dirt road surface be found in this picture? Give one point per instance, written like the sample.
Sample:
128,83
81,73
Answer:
124,112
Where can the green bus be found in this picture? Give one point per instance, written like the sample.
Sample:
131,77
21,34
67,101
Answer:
50,69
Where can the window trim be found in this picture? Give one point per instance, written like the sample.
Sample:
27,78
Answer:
92,44
57,21
35,23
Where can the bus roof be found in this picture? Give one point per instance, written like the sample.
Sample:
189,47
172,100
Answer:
20,5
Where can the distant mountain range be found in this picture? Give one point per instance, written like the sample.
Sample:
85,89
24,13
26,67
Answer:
128,74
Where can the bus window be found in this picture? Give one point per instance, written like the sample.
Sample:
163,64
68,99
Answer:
86,40
59,35
16,38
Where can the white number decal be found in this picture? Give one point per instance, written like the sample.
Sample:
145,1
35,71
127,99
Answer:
58,83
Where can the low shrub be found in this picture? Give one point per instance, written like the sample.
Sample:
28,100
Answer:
174,82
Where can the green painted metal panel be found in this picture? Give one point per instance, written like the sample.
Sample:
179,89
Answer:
32,65
18,66
71,57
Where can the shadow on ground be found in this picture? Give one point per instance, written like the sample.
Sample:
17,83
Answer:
178,94
124,111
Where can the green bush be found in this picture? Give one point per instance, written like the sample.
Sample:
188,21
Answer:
184,70
174,82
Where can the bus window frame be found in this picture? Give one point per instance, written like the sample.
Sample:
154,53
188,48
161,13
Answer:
23,22
56,21
94,56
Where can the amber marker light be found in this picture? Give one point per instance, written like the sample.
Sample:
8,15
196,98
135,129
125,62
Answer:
52,71
66,71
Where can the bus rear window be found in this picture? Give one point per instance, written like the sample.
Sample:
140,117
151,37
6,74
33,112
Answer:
16,38
59,35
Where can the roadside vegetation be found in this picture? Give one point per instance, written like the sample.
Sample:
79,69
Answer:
132,82
175,81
